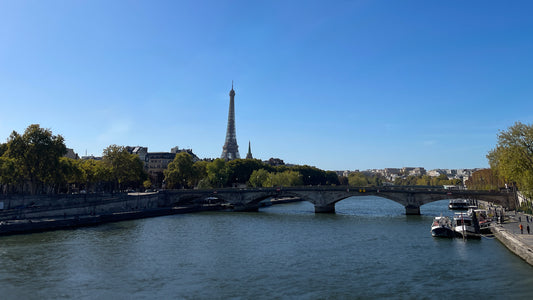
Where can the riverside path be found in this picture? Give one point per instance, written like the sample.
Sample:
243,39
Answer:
519,242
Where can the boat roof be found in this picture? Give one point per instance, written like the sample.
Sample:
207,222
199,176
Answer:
462,215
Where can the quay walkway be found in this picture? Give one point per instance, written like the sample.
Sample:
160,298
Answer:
508,233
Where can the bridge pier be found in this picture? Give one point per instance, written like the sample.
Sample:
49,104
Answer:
328,208
412,210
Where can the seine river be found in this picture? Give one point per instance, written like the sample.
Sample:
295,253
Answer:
368,249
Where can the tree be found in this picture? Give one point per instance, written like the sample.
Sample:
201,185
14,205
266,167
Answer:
332,178
71,173
311,175
240,170
512,159
125,168
217,173
9,173
147,184
287,178
37,153
484,179
259,178
180,172
357,179
200,171
425,180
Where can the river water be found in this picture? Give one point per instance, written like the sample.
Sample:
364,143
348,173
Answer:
368,249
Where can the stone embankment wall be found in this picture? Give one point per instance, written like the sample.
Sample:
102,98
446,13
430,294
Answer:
514,244
50,206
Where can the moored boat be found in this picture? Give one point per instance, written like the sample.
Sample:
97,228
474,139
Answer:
466,226
442,227
483,219
460,204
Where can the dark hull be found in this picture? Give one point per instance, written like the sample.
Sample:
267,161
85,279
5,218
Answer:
443,232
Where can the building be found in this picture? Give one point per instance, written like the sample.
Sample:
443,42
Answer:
155,163
275,162
71,154
230,150
138,150
413,171
249,155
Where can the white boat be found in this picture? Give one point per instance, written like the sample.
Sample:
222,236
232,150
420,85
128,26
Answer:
466,226
442,227
459,204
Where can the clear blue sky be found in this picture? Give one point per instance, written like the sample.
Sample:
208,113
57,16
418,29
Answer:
340,85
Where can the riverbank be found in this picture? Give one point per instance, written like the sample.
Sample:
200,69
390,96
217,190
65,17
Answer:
517,241
81,211
8,227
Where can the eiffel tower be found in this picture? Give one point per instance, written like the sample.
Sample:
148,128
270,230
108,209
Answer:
230,150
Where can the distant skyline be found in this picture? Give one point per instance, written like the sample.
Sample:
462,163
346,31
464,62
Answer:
340,85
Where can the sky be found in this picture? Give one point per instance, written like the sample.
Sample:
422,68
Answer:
340,85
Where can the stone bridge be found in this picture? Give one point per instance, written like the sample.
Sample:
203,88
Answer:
325,198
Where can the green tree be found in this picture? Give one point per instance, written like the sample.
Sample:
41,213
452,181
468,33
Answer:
357,179
332,178
10,174
310,175
147,184
512,159
37,153
240,170
217,173
200,172
124,168
180,172
287,178
71,173
259,178
94,173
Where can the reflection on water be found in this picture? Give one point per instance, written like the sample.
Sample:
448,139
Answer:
368,249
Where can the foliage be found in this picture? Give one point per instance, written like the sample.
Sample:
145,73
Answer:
200,171
287,178
310,175
71,172
180,172
357,179
332,178
362,179
217,173
124,168
426,180
9,172
259,178
36,154
485,179
512,159
240,170
263,178
147,183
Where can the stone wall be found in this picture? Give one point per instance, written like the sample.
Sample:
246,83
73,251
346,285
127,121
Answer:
55,206
512,243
